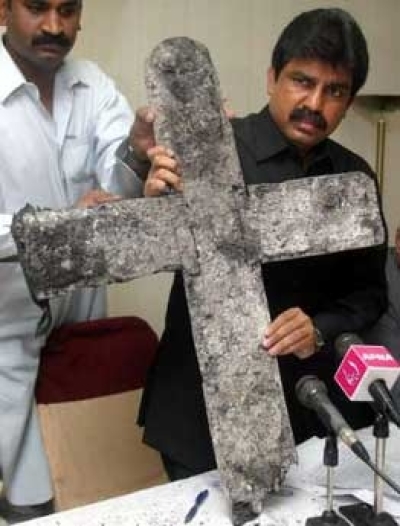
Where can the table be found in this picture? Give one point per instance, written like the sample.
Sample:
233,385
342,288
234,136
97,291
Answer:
302,496
168,504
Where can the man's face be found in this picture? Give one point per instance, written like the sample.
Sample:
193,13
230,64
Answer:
40,33
308,100
398,246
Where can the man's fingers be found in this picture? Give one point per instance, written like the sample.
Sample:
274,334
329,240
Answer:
145,114
95,198
160,181
296,341
282,325
229,112
141,136
107,198
162,162
291,332
159,151
164,173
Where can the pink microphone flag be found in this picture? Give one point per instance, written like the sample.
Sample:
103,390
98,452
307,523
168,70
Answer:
361,365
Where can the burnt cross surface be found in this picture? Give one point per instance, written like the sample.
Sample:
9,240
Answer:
218,232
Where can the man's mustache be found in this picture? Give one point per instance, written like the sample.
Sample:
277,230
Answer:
60,40
305,114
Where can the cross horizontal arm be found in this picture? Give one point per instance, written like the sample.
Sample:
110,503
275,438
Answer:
66,249
314,216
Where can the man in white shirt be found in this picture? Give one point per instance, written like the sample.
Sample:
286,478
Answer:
61,123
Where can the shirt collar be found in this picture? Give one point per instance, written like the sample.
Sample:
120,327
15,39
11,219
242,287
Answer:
270,141
11,76
73,73
70,74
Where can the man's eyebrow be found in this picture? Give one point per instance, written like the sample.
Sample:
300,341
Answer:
345,86
37,2
71,3
299,73
68,3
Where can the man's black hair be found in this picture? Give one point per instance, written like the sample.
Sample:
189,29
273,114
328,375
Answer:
329,35
8,3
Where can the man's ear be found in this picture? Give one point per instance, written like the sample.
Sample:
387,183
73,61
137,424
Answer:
270,80
3,8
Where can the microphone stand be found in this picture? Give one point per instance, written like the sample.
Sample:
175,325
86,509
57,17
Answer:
363,514
329,517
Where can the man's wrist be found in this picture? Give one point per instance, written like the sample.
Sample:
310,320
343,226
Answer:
128,155
319,341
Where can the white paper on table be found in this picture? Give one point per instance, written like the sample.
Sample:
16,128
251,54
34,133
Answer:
351,476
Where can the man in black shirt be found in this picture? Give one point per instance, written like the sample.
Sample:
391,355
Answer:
319,63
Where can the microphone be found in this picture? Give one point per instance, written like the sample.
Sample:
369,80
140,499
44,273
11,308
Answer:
312,393
367,372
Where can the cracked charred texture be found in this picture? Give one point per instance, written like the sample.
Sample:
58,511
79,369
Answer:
314,216
66,249
229,311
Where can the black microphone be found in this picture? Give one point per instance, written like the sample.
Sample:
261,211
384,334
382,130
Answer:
364,375
312,393
343,342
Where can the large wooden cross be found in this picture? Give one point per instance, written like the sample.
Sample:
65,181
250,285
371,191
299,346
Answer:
218,232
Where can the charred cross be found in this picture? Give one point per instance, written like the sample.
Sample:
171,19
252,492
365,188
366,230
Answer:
218,232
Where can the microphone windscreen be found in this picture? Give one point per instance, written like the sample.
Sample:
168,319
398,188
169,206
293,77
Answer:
344,341
306,387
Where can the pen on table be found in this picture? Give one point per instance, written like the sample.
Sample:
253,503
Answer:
201,497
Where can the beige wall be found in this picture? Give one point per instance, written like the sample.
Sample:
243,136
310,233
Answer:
119,34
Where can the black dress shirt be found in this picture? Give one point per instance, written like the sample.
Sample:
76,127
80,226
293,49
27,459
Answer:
343,292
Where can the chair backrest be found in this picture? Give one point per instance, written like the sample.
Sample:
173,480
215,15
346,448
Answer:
95,358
